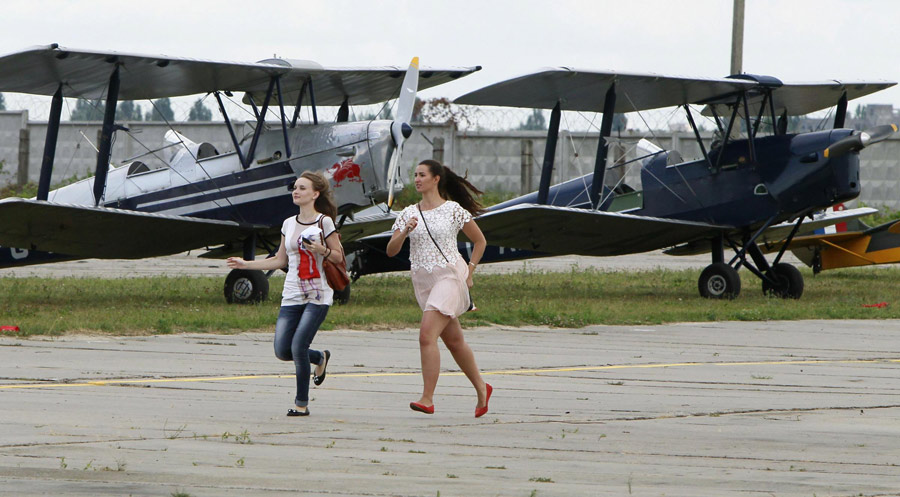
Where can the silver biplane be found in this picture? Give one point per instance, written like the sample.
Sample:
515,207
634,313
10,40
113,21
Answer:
234,201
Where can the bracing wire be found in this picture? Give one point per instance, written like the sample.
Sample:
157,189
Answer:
214,182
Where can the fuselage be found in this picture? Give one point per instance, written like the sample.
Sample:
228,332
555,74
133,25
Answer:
789,177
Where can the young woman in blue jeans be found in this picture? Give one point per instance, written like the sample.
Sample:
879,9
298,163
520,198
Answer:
306,242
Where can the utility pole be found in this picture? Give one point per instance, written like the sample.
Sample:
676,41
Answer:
737,37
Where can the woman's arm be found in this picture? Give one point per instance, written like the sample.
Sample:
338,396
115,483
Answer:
278,261
473,232
335,251
396,243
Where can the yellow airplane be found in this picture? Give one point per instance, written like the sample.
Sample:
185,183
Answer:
861,246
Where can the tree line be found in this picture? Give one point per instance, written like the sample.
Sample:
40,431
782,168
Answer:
130,111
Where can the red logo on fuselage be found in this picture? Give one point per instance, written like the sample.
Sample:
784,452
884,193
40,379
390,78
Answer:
344,170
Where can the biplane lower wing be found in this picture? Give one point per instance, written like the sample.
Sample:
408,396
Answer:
564,230
776,234
364,225
368,222
97,232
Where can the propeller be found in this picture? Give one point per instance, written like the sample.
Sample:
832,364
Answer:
400,128
859,141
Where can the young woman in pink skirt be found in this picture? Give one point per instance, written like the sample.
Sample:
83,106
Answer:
441,278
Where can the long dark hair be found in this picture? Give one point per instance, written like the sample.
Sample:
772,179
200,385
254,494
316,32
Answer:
325,201
454,187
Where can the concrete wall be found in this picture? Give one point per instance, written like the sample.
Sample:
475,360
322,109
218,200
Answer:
494,160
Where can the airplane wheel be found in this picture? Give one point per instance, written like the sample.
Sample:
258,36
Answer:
790,282
245,286
342,297
719,281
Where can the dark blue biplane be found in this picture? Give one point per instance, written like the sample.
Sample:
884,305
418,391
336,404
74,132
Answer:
741,192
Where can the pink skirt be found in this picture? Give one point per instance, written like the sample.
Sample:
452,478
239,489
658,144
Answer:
444,289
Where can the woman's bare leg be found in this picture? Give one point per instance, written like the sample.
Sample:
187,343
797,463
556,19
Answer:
464,357
433,324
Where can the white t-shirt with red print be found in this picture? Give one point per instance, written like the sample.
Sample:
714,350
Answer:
305,282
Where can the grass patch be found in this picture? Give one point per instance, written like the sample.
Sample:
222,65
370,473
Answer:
161,305
884,215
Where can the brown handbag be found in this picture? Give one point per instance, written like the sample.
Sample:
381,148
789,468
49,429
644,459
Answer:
336,274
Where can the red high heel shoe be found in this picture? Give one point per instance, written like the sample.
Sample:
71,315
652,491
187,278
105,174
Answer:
415,406
481,411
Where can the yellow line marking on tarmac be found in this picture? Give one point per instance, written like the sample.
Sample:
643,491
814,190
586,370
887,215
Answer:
100,383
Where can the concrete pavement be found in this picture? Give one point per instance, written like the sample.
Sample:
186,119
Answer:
710,409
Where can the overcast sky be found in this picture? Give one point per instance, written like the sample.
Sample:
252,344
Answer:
794,40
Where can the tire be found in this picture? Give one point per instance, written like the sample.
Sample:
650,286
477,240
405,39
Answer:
790,282
719,281
244,286
342,297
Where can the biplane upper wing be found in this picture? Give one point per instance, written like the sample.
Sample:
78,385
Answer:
86,74
564,230
584,90
797,99
100,232
359,85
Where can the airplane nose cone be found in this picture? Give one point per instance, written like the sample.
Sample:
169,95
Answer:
406,130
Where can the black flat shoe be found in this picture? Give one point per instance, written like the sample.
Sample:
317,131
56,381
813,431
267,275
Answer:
318,380
294,412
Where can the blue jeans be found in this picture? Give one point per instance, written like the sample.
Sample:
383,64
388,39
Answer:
294,332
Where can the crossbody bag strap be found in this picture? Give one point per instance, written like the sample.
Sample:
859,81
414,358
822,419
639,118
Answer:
469,293
429,234
322,230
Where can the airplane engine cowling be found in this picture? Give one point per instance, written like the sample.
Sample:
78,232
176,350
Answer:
812,180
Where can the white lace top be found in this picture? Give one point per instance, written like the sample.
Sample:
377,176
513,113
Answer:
445,222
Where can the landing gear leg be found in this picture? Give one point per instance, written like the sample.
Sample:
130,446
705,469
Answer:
788,282
780,279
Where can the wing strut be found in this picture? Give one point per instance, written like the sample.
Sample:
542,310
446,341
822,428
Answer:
750,138
299,104
762,110
783,122
609,106
772,110
260,123
50,145
726,136
109,116
841,113
690,118
234,140
549,155
343,114
284,127
312,102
